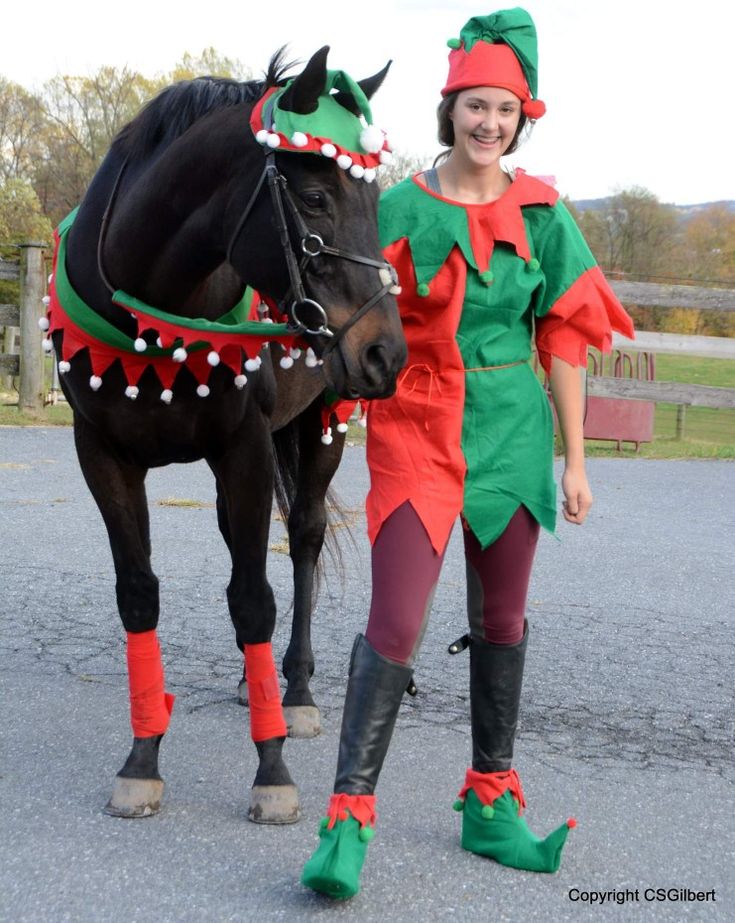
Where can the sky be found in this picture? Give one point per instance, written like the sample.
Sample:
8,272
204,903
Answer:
638,92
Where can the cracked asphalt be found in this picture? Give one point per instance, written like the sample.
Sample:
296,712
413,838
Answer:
627,720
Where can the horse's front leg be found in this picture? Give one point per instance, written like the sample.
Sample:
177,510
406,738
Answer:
119,491
245,494
306,527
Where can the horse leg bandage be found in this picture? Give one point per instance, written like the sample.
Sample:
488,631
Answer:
264,693
150,704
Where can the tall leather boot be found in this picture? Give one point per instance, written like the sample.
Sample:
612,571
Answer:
492,799
374,691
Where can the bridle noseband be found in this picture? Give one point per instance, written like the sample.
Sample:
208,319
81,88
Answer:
312,246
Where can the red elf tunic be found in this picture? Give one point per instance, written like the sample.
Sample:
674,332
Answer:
470,429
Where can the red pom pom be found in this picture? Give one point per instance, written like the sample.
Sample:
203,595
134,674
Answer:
534,108
571,823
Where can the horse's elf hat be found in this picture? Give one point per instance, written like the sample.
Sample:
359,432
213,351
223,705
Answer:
499,50
331,129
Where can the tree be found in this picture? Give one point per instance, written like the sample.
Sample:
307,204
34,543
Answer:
210,63
401,166
634,234
21,120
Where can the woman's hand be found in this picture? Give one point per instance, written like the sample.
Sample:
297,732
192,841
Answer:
578,496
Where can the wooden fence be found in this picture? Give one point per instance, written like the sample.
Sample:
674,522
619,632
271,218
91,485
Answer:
29,365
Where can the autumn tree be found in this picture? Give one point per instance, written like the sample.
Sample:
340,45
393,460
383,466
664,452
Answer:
210,63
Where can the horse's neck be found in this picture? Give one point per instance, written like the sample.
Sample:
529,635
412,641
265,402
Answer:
296,388
165,238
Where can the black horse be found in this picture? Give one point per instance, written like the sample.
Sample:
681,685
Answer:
186,209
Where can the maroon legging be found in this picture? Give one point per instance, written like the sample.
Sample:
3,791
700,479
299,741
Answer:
406,570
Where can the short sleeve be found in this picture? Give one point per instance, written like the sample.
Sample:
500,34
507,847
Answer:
576,307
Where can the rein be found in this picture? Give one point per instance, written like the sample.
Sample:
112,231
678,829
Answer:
312,246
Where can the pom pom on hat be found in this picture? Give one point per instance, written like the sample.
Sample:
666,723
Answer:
372,139
328,149
344,161
534,108
299,139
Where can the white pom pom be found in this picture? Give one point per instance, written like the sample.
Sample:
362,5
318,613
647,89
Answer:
286,362
240,381
357,171
344,161
179,354
310,360
159,342
132,392
299,139
47,345
329,150
386,157
372,139
327,436
140,345
267,320
166,395
274,140
203,390
43,323
252,365
262,136
64,367
95,382
213,358
295,352
370,174
341,427
46,299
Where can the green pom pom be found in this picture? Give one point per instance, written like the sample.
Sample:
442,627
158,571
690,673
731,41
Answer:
323,824
488,811
458,805
422,289
366,834
487,277
533,265
454,43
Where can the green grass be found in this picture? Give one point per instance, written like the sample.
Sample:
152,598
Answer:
708,433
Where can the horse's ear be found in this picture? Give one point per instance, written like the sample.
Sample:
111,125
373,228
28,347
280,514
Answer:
369,86
303,95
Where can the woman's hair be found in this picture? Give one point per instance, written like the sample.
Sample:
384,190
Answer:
445,126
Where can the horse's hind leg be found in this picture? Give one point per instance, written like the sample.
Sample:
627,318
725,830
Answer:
245,490
119,491
306,527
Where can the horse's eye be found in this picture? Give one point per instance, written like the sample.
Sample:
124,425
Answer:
313,199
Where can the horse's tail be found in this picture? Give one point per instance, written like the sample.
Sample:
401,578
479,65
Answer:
287,455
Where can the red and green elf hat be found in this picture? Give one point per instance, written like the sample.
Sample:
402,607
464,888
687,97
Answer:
331,130
498,50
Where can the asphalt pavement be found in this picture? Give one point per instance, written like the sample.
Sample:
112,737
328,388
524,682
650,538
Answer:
627,719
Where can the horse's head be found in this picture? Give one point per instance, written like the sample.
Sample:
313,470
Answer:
309,236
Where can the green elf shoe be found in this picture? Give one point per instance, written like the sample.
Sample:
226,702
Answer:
493,824
344,834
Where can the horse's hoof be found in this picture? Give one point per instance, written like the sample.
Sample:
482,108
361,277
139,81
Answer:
302,720
135,797
242,692
274,804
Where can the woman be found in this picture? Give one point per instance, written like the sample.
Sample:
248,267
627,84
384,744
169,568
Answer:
484,259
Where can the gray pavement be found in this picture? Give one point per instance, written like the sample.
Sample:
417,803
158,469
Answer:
627,721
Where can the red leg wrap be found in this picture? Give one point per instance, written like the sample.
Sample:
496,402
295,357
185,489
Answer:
150,705
264,693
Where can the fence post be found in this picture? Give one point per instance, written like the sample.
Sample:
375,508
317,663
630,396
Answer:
681,415
32,289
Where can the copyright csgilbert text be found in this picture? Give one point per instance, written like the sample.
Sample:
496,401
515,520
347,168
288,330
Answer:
641,895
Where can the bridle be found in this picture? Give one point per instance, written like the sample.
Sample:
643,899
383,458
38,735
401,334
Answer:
312,246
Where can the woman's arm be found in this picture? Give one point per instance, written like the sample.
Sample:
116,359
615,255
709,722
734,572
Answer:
566,389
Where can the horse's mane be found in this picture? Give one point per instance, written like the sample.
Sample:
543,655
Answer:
176,108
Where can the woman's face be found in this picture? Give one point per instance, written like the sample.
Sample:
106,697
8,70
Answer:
485,120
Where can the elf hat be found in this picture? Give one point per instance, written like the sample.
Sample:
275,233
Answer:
498,50
330,129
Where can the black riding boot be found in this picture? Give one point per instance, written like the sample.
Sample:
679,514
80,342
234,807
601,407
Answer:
492,798
374,691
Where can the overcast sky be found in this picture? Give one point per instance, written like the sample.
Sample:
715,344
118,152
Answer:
639,92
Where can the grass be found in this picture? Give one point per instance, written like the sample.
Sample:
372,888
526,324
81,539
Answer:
708,433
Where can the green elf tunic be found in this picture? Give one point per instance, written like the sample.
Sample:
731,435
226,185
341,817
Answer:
469,428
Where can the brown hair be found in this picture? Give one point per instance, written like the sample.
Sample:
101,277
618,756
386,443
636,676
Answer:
445,126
